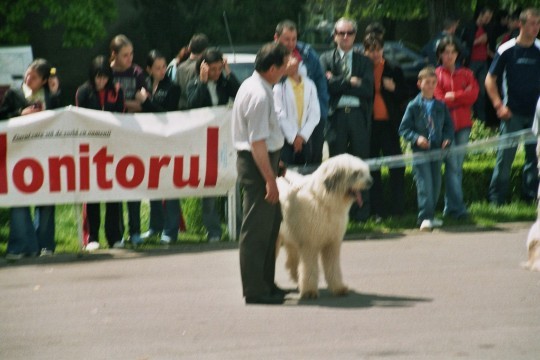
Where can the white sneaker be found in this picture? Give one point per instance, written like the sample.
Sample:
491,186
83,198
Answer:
165,239
147,234
427,225
92,246
119,244
214,239
46,253
436,222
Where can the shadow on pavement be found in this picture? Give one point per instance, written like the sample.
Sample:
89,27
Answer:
358,300
123,254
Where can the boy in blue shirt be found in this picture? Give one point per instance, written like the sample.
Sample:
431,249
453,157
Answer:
427,125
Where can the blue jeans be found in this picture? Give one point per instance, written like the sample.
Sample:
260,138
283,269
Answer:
27,236
165,217
210,217
500,180
428,187
453,176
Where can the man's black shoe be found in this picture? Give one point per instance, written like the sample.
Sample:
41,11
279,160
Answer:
276,290
266,299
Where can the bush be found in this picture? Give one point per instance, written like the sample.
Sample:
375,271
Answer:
476,179
192,212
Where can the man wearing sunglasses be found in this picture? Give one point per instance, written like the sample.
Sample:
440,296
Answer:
350,85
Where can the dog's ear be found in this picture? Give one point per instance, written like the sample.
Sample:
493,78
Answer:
332,180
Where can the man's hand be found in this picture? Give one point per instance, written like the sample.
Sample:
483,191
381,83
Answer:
259,152
298,143
141,95
389,84
203,73
355,81
450,96
54,84
292,66
272,192
422,142
504,113
226,67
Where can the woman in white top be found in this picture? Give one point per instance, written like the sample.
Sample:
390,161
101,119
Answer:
297,107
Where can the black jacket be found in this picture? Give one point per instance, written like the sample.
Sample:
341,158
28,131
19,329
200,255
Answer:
14,103
339,84
198,95
394,101
87,97
164,99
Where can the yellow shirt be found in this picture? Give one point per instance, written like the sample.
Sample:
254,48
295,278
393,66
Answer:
298,89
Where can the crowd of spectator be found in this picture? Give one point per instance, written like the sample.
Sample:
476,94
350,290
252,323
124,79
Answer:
354,100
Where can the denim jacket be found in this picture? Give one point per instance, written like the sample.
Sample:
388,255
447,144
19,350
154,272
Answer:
416,123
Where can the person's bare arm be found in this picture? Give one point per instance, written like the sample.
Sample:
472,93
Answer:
503,112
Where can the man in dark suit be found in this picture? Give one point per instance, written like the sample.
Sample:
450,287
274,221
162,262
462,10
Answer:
350,84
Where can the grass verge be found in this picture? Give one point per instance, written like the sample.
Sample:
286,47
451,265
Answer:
483,215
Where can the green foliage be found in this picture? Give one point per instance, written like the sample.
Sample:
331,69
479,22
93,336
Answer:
83,21
192,212
481,132
402,10
514,4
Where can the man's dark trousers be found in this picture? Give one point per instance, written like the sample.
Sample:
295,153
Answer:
260,228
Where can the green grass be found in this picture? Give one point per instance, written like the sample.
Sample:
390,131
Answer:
483,215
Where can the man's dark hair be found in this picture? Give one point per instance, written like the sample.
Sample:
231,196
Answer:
210,56
198,43
269,55
285,24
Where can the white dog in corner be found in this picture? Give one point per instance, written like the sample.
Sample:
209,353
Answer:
533,248
315,215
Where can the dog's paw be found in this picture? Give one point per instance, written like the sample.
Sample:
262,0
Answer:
341,291
309,294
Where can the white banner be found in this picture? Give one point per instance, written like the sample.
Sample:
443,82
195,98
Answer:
75,155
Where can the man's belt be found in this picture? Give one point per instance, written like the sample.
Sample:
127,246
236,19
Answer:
347,109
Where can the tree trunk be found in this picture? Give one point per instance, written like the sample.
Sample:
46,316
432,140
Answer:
438,10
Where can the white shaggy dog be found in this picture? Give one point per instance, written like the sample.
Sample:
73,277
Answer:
533,248
315,215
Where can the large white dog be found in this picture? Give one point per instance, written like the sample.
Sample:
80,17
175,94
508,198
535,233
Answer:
533,248
315,215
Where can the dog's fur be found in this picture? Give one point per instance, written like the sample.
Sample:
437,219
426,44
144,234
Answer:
315,215
533,248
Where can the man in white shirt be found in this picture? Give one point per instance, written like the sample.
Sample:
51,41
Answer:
258,140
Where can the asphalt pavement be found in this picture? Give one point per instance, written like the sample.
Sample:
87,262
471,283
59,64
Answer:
456,293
